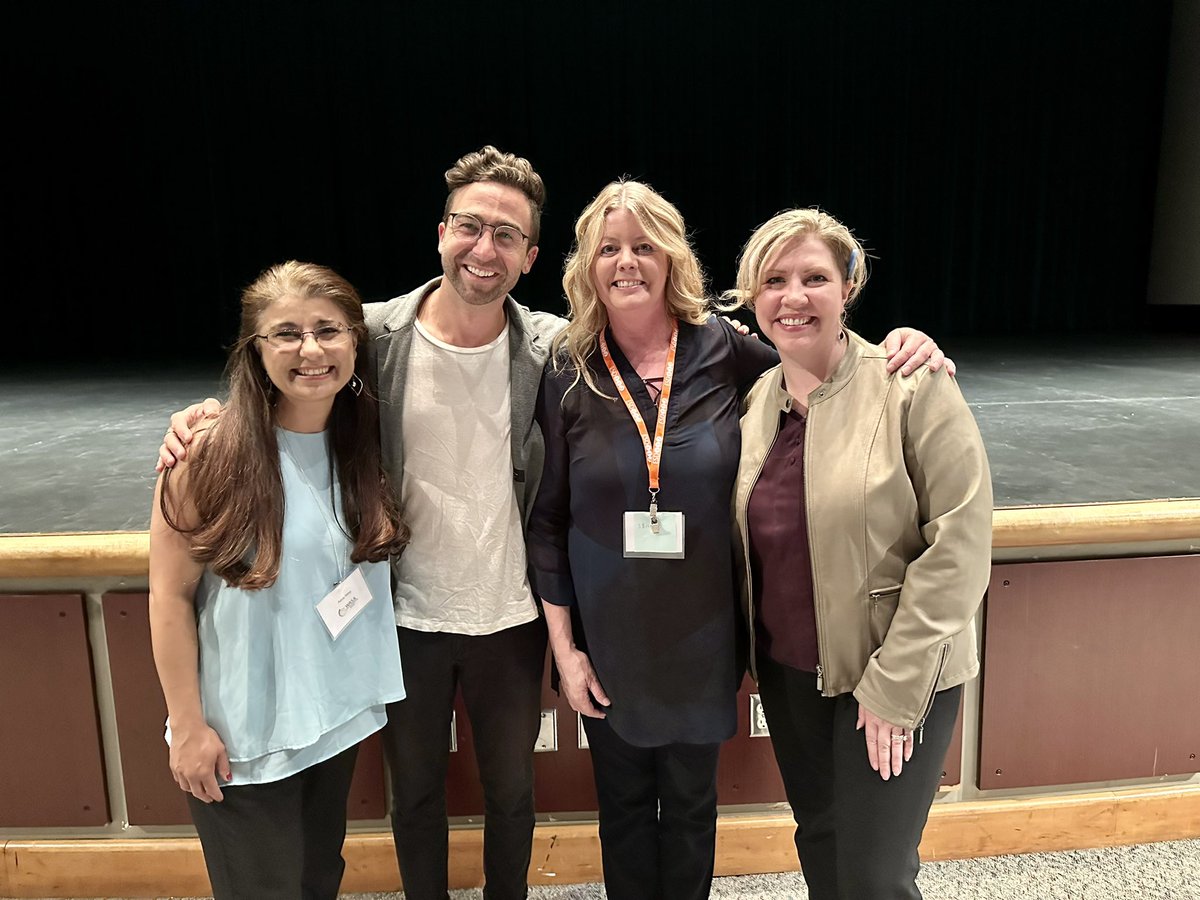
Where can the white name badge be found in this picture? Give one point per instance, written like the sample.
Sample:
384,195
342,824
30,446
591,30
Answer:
641,541
343,604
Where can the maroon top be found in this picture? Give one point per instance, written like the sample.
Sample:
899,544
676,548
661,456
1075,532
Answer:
785,625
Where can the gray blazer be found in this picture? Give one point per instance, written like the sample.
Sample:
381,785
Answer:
529,336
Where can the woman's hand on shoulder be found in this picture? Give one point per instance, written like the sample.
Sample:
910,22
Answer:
580,683
889,746
199,763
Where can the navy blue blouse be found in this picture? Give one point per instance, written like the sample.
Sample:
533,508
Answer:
661,633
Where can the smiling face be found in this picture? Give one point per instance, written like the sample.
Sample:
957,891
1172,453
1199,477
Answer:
479,271
800,298
309,377
629,271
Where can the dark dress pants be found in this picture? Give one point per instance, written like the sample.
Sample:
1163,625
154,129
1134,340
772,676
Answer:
658,816
856,834
281,840
501,679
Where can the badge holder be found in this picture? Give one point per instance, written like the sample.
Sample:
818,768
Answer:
653,534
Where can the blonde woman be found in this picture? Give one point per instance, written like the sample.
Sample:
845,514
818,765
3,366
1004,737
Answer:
629,536
864,507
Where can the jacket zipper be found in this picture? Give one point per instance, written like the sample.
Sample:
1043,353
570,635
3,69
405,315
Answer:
812,556
745,529
937,675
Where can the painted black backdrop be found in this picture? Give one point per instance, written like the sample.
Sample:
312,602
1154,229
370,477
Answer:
998,157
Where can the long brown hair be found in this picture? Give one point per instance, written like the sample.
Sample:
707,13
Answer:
234,480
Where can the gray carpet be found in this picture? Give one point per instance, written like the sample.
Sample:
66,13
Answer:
1164,871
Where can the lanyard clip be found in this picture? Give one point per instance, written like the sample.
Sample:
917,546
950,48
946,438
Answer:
655,527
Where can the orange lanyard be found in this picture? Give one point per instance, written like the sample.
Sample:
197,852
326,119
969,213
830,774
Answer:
653,451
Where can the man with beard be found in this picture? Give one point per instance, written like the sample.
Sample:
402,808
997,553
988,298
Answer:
458,364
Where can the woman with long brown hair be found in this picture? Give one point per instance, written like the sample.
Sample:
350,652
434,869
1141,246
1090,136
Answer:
270,602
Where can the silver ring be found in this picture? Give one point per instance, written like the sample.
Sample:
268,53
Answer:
900,738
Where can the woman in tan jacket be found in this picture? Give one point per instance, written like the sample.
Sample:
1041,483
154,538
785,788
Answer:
863,506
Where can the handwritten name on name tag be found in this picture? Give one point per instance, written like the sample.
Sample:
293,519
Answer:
642,541
342,605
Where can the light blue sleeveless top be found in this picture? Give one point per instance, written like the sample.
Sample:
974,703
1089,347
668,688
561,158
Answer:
279,690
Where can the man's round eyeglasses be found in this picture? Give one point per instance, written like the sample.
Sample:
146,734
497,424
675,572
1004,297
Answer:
469,228
292,338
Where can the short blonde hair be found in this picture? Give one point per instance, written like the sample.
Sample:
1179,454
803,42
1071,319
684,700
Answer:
770,239
663,223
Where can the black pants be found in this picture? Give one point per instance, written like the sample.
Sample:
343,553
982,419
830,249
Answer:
658,816
501,679
281,840
856,834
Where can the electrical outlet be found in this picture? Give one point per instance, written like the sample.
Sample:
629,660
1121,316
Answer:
547,739
758,719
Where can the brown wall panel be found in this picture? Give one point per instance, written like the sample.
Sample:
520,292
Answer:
50,749
1091,671
952,767
747,772
562,778
151,794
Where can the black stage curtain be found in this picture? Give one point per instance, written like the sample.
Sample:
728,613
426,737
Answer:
998,158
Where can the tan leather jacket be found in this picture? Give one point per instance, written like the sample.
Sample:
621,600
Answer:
899,505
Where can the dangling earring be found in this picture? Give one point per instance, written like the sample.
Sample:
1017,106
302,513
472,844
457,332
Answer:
355,384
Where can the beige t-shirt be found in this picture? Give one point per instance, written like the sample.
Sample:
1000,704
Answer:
464,570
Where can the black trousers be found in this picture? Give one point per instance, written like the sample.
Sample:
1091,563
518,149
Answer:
281,840
856,834
501,679
658,816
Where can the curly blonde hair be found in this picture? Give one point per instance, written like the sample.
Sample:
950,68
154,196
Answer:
663,223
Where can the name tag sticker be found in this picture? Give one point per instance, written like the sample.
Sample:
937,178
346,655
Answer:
343,604
642,541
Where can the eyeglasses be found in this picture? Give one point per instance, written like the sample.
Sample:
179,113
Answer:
469,228
327,336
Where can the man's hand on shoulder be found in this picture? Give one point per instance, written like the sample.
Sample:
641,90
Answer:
908,349
182,431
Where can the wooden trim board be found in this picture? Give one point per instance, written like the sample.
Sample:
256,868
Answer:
570,853
83,555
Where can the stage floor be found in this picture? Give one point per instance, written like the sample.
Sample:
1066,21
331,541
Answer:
1065,421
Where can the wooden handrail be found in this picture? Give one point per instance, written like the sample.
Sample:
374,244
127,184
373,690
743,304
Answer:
1132,522
74,555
